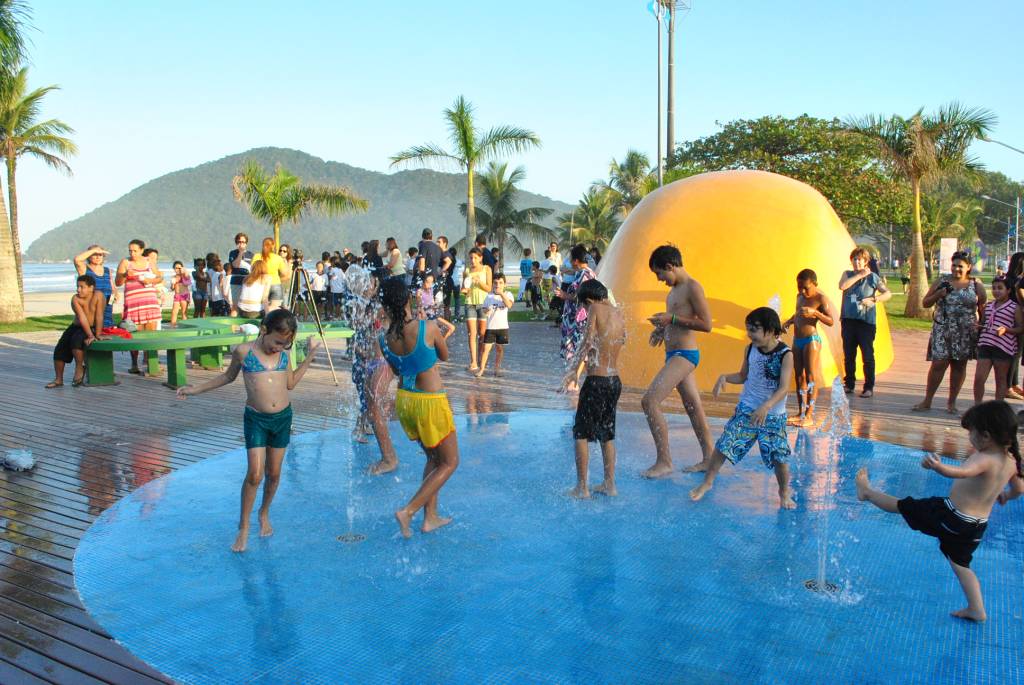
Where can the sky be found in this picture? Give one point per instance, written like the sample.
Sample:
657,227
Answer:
156,86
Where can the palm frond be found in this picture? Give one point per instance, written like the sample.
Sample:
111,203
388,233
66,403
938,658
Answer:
14,21
332,200
461,128
428,155
506,140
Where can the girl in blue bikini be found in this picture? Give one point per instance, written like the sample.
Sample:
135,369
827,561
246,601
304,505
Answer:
811,307
268,410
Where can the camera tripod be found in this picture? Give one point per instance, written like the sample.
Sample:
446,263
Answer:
294,300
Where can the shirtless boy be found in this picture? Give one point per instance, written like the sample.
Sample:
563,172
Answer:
959,520
87,305
687,313
811,307
603,338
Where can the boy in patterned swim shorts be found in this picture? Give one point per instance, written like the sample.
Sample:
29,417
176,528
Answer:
761,412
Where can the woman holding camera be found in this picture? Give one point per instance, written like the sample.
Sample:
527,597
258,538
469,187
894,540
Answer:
959,302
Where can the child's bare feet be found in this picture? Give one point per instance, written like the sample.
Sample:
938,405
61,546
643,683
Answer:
434,522
786,500
579,492
951,409
863,484
403,522
698,492
699,467
659,470
359,436
479,373
266,530
606,488
922,406
969,614
383,466
243,537
808,420
795,420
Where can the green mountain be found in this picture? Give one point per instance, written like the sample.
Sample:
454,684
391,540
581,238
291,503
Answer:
188,213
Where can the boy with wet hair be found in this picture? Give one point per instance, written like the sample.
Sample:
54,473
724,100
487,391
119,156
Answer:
603,339
760,414
497,305
87,305
687,313
811,307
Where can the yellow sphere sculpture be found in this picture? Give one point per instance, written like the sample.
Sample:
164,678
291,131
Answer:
744,235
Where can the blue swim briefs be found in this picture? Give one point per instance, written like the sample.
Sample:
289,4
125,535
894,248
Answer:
692,356
801,343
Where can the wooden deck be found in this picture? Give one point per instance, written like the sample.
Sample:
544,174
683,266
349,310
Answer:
95,445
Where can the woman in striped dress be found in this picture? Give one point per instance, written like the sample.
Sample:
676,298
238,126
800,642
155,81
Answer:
141,304
997,340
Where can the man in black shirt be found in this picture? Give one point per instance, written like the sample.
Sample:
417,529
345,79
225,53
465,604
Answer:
488,257
429,260
239,262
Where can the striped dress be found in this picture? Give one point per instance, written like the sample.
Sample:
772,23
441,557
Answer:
141,304
997,315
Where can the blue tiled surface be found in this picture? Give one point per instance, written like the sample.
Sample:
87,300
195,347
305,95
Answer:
529,586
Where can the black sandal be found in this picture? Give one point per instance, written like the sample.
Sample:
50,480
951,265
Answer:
78,382
135,371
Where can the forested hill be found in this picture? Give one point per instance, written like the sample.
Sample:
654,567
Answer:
191,212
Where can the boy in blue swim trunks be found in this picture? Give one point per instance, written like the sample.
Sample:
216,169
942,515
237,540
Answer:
811,307
760,415
687,313
268,411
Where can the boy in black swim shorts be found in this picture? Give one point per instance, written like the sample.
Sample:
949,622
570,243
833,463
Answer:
603,338
959,520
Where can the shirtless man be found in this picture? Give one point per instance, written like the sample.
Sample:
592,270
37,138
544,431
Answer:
687,312
603,338
87,305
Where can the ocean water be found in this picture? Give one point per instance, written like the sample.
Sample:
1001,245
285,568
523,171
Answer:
60,278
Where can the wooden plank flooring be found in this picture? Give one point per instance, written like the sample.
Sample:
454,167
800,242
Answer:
95,445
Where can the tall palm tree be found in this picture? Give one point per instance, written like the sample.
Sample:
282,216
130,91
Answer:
630,180
594,220
284,197
923,149
14,17
501,220
21,134
469,148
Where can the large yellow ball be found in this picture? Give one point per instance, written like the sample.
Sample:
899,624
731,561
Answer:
744,235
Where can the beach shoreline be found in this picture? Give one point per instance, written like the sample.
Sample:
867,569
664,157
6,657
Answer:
50,304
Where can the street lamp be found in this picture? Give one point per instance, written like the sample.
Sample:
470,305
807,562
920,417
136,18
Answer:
658,10
989,140
1016,207
1009,227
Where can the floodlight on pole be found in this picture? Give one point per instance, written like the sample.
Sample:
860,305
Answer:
659,10
997,142
1016,207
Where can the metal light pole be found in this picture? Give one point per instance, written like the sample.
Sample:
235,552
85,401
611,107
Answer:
1016,208
659,13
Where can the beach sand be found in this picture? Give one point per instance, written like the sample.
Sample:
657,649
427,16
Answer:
48,304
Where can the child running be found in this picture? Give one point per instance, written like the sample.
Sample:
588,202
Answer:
760,415
603,338
496,305
959,520
413,349
811,307
687,313
268,412
997,340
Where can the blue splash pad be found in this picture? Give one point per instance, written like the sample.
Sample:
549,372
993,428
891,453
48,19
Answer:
530,586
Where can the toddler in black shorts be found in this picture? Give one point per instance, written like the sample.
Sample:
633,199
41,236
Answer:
959,520
603,338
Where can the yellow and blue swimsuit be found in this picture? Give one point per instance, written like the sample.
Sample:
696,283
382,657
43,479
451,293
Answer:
425,416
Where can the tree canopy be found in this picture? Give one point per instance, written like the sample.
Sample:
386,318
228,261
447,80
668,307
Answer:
843,168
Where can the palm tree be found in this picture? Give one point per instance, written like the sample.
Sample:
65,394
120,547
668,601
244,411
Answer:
630,181
923,149
594,220
468,150
21,134
14,16
948,215
501,220
284,197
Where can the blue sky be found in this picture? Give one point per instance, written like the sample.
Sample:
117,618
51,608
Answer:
156,86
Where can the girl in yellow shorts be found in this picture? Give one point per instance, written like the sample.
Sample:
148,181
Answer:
412,348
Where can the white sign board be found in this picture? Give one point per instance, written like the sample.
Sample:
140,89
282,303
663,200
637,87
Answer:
946,250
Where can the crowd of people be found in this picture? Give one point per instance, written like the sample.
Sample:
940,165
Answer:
402,310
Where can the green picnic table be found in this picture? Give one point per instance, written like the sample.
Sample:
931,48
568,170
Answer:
207,344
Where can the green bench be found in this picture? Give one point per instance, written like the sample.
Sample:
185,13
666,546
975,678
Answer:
206,346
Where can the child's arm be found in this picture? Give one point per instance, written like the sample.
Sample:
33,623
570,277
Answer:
1018,324
970,468
701,319
759,415
507,297
295,376
738,378
789,322
218,381
449,327
578,355
440,344
823,312
1015,491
